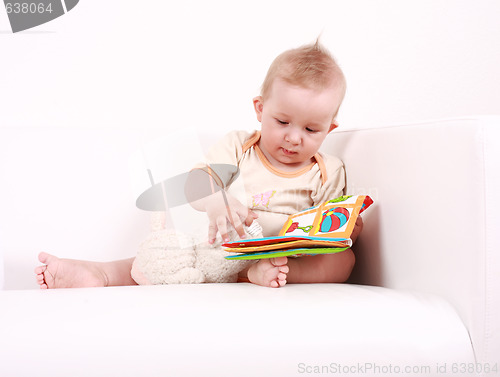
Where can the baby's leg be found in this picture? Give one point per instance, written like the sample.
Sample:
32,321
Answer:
70,273
269,272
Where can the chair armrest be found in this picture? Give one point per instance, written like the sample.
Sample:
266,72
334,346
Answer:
433,224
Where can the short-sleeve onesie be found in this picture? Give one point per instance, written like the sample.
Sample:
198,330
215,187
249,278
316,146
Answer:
273,194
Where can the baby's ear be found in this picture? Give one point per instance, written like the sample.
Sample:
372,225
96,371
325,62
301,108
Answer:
258,105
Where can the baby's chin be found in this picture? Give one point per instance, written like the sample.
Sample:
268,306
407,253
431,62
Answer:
294,163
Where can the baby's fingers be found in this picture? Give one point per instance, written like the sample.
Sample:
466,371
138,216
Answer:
212,232
222,227
359,222
217,225
238,226
241,217
358,226
236,221
250,217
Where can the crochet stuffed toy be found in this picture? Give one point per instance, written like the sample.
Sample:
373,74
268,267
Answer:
164,258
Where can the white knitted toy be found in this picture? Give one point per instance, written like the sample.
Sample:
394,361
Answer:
169,258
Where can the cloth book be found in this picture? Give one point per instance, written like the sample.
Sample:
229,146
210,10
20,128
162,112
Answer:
322,229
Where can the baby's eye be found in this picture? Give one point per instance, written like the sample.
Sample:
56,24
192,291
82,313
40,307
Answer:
281,121
309,129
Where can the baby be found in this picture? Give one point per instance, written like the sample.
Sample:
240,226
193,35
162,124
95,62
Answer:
282,173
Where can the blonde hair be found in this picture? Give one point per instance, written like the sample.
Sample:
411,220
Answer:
309,66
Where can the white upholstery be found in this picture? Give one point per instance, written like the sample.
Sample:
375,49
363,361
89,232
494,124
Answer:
1,270
424,293
444,174
224,330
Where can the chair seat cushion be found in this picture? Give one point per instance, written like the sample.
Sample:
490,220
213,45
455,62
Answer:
227,330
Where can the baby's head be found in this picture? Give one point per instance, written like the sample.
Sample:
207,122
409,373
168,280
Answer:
299,101
310,66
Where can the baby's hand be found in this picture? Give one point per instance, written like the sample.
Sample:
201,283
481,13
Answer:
358,227
222,208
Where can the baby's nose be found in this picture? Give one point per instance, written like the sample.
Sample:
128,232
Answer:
293,137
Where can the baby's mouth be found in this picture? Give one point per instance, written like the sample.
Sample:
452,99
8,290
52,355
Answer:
287,151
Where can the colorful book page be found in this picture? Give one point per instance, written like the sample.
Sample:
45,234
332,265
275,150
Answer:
287,253
325,228
335,218
254,242
290,245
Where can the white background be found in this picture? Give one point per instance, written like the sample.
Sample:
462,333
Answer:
199,63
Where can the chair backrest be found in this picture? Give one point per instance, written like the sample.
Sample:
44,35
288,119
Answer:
1,271
68,191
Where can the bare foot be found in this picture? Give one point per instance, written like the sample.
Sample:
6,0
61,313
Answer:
269,272
68,273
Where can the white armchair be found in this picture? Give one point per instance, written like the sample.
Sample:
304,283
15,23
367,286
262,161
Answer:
424,298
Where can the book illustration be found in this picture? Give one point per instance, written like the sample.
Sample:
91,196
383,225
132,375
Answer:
334,217
325,228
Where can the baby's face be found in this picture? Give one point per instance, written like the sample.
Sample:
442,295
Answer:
294,122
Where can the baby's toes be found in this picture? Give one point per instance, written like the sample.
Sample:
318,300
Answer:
284,269
269,272
281,279
278,283
276,278
280,271
40,269
281,276
279,262
40,279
